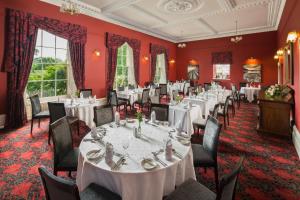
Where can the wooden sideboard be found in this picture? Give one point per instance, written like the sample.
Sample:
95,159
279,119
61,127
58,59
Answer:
276,115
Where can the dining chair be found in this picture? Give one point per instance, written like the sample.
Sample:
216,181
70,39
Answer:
65,155
193,190
205,155
115,101
201,122
156,97
207,86
103,114
163,90
59,188
223,112
131,87
161,111
121,88
36,110
57,111
144,101
86,93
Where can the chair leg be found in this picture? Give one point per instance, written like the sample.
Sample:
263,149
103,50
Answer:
31,127
55,172
227,119
216,178
78,128
224,117
70,173
49,135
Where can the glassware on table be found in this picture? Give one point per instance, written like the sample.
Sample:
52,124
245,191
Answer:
125,145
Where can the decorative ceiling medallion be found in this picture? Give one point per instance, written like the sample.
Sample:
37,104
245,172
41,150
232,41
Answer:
180,6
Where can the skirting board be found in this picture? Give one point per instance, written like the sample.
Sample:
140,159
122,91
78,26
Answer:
296,140
102,101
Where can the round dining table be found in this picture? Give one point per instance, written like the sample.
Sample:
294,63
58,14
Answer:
132,181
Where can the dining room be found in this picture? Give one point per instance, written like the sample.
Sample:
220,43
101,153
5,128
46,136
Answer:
149,100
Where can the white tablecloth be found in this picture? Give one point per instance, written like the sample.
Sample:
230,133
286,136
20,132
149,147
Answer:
132,181
250,92
179,113
82,109
134,95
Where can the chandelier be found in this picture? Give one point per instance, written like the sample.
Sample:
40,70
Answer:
181,45
69,7
236,38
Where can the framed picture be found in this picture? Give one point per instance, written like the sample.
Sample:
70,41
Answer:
193,72
252,73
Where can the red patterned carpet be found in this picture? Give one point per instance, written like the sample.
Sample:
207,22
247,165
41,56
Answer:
271,169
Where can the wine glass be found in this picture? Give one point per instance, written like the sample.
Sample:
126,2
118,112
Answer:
125,145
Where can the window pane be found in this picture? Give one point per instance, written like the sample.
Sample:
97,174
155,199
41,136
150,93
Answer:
61,88
48,39
48,88
61,55
49,72
61,72
48,53
37,54
61,43
39,38
34,88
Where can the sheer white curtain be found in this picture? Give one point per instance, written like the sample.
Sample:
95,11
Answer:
130,64
161,63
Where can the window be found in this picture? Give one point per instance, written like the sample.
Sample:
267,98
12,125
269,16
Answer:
49,71
125,69
221,71
160,72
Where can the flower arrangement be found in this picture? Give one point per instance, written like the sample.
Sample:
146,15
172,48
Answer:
139,116
178,98
274,90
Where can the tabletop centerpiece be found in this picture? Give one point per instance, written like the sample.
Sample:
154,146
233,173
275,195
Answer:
139,117
274,91
178,99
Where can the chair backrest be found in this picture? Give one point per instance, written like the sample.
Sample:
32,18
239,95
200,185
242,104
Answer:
131,87
157,91
121,88
161,111
215,111
207,86
145,96
62,139
86,93
35,104
233,88
163,89
56,110
211,136
225,111
103,115
228,183
113,98
58,188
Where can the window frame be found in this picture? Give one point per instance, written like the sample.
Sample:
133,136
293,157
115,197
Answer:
122,53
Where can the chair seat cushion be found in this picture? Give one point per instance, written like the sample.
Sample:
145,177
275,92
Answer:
70,160
201,157
192,190
94,191
43,114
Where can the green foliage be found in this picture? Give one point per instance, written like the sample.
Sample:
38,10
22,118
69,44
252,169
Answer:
121,78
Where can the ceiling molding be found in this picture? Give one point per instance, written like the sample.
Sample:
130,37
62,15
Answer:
274,7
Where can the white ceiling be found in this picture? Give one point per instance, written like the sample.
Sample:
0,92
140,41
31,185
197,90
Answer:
186,20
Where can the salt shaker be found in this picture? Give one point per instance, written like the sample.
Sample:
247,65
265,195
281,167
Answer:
117,118
109,153
169,150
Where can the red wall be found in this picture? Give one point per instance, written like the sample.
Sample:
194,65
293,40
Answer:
95,66
261,46
290,22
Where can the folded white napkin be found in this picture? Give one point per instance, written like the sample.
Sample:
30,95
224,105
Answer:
153,117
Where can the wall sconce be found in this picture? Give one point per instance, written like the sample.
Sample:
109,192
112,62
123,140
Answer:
172,61
280,52
146,58
292,36
97,52
276,57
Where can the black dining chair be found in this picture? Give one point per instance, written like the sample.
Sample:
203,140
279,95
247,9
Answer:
86,93
65,155
156,97
201,122
193,190
103,115
57,188
223,112
145,100
36,110
163,90
57,111
118,102
205,155
207,86
161,111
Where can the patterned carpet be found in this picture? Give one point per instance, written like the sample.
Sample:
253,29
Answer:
271,169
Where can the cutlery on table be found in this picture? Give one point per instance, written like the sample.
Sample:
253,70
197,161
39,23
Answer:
177,154
117,165
159,160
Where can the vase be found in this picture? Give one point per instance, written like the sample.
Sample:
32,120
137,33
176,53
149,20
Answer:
139,132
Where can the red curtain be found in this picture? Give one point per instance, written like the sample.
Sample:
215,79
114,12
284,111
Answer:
20,39
222,57
154,51
113,42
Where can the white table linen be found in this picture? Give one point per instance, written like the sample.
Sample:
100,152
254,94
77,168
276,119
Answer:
134,95
83,109
250,92
132,181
